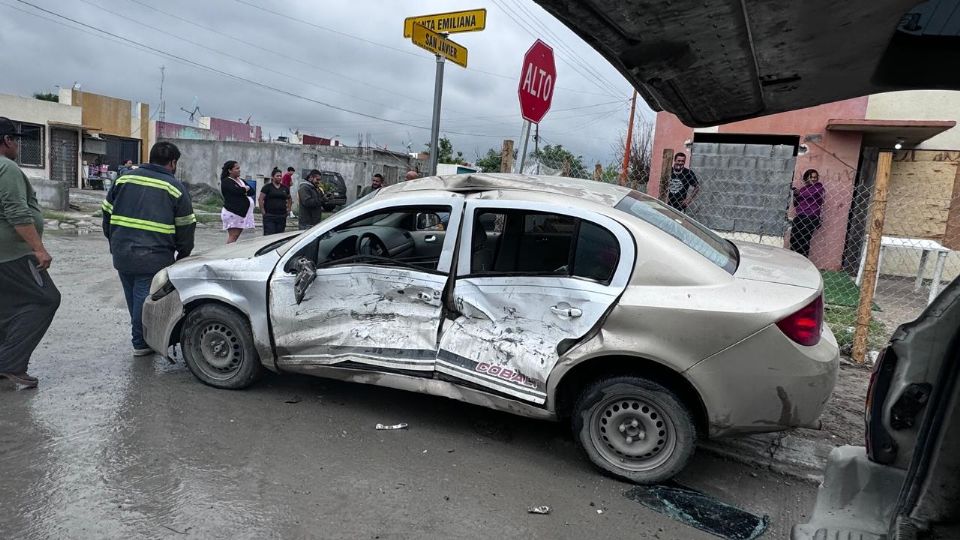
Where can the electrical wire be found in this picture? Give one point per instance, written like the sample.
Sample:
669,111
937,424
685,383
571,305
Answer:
564,46
523,26
278,53
100,31
395,49
241,59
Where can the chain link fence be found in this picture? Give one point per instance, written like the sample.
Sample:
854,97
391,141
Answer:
756,193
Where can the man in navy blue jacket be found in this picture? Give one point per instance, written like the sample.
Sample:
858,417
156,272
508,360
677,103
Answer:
149,220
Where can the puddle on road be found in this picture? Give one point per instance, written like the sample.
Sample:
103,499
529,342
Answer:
700,511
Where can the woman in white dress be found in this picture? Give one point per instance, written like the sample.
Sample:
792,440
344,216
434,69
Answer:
237,213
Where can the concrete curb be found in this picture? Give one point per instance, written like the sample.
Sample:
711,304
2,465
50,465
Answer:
787,453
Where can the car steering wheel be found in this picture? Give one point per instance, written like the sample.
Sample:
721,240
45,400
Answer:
370,244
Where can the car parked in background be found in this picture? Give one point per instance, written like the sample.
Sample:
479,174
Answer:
547,297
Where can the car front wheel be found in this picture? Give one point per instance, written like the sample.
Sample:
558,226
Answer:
218,347
634,428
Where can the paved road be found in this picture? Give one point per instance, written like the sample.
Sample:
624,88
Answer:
112,446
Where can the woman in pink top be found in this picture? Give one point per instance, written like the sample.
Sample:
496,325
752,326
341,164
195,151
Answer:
807,204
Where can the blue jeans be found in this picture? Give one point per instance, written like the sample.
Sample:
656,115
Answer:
136,287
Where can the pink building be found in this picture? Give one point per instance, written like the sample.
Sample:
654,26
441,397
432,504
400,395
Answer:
838,139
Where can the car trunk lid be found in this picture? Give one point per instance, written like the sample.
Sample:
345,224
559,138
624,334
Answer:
776,265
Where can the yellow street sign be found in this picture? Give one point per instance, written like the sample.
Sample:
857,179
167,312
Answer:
454,22
437,44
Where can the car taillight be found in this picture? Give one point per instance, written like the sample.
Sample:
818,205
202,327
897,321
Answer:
805,325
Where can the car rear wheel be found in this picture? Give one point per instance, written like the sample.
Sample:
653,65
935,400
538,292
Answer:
634,428
218,347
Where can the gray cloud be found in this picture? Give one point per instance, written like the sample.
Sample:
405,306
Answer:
393,80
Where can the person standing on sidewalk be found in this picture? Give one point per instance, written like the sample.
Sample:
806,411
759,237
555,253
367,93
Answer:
287,179
148,219
311,197
275,203
30,299
237,213
683,186
375,185
808,205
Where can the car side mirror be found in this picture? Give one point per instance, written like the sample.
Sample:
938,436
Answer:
427,221
306,273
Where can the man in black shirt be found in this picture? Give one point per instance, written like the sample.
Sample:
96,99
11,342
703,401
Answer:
683,186
274,202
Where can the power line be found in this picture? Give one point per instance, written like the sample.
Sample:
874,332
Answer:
562,44
278,53
241,59
395,49
218,71
517,21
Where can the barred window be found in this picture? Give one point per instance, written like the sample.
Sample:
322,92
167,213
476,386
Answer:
31,145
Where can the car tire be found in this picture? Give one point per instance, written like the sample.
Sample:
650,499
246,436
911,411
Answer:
217,345
634,429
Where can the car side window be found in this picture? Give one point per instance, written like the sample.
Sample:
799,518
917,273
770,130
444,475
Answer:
597,253
382,238
512,242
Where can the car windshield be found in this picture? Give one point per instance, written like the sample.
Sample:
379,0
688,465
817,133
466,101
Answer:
697,237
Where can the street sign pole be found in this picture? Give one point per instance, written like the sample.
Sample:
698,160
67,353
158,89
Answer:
525,135
435,125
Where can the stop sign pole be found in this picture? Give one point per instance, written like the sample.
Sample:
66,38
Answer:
537,80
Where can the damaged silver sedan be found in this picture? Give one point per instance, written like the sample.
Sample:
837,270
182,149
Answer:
547,297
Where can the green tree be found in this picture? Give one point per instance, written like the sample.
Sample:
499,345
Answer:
47,96
558,157
446,154
490,162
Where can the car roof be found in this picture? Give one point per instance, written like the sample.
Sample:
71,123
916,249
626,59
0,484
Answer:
588,190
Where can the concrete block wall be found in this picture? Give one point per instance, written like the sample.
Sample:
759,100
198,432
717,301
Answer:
201,161
745,188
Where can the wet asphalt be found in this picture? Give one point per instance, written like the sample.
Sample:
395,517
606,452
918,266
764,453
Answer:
112,446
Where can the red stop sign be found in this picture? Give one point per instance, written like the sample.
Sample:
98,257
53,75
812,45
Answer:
537,81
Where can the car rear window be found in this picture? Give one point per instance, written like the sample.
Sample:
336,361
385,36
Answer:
694,235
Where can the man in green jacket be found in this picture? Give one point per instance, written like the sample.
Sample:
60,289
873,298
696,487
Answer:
30,299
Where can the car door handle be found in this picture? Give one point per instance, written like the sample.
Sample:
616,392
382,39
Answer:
430,238
428,297
566,311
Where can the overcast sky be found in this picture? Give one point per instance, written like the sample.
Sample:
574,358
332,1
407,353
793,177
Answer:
348,54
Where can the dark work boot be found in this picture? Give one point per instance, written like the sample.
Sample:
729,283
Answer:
23,379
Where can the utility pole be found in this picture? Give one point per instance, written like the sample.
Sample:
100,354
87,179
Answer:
536,145
629,142
525,137
163,111
435,125
506,156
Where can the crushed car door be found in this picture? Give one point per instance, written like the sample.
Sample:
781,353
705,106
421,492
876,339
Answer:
360,293
532,280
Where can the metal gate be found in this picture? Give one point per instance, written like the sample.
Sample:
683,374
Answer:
64,152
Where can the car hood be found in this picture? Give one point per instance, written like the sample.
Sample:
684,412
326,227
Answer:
243,249
776,265
715,62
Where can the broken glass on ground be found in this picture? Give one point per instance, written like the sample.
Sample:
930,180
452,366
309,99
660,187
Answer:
700,511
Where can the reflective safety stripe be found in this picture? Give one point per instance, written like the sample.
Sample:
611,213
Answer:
185,220
107,207
142,224
150,182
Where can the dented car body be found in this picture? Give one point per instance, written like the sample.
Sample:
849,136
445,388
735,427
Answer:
547,297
